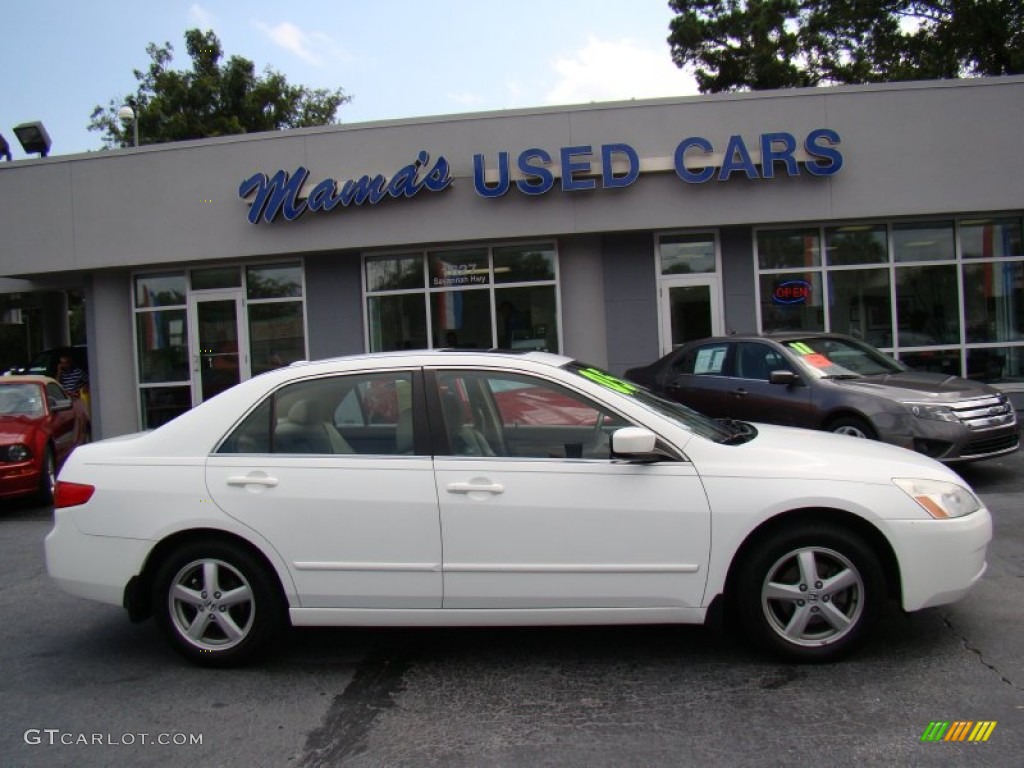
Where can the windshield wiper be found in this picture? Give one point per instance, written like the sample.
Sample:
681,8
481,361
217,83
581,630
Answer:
741,431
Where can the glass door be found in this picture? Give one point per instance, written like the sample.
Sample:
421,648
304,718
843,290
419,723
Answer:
690,309
219,344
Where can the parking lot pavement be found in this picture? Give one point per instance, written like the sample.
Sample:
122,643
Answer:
654,696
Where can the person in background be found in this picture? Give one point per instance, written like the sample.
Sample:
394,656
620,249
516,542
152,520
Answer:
72,379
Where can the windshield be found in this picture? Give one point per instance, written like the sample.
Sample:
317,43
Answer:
687,418
833,357
20,400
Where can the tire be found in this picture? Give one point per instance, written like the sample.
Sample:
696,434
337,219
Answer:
852,426
217,604
48,480
810,593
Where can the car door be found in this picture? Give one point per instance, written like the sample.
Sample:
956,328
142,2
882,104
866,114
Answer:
752,396
64,424
535,513
355,521
698,378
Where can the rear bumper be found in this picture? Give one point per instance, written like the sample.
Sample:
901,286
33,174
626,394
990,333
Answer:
940,560
93,567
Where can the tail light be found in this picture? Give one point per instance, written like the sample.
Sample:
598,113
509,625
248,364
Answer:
71,494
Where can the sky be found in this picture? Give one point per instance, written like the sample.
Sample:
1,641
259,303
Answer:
396,58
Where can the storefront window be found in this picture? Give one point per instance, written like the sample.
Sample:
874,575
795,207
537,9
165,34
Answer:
276,335
991,238
459,269
161,404
687,254
788,248
792,301
923,241
394,273
160,290
994,301
945,361
397,322
475,298
856,244
526,318
926,306
860,304
215,278
461,319
274,281
524,264
162,345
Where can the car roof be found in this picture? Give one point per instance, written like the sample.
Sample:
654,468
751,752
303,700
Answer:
442,356
26,379
779,336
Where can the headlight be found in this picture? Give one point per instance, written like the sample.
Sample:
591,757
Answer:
940,499
16,452
935,412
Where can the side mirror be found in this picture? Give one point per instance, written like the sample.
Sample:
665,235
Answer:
635,444
786,378
58,404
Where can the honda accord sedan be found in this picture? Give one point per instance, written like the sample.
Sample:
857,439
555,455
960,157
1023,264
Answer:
838,384
472,488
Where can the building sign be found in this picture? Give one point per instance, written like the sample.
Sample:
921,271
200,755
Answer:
536,171
280,194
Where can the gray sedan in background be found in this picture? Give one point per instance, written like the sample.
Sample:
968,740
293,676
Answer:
839,384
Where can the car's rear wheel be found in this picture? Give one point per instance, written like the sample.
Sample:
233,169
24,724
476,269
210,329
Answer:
810,593
217,603
852,426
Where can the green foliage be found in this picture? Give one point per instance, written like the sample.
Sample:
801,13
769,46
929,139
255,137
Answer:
211,98
762,44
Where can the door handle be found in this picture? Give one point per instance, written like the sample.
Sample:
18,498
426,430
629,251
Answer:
476,488
269,482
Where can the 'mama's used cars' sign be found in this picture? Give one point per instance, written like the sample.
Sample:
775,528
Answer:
536,172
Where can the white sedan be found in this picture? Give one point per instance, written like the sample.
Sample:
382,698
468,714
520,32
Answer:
474,488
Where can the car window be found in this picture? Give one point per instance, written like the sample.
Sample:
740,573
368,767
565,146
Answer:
830,356
706,360
361,414
514,415
757,361
54,392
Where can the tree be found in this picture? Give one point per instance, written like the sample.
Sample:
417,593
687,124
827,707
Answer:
762,44
211,99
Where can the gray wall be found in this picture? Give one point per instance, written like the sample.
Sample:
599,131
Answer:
113,395
581,282
738,276
630,300
334,312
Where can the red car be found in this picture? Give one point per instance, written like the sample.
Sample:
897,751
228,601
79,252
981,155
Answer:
39,427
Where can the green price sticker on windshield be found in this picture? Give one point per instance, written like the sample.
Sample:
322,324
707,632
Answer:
608,381
801,348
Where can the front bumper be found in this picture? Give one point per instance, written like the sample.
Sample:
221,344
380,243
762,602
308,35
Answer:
19,479
93,567
940,560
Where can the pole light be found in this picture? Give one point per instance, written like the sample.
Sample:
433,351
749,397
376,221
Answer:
33,138
126,114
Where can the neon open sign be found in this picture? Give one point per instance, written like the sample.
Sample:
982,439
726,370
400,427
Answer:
792,292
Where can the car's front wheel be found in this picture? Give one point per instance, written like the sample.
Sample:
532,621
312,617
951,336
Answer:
809,593
217,603
852,426
47,478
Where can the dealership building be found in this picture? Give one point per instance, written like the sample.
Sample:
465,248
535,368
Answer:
609,232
